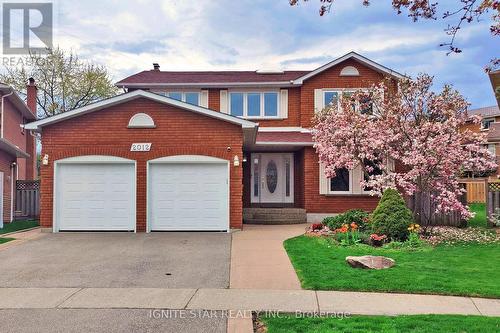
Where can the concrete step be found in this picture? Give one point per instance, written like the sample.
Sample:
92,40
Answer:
273,222
283,216
274,215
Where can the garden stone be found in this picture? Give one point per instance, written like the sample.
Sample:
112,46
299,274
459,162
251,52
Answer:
370,262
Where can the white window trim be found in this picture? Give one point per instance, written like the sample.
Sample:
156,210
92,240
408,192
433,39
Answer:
245,93
329,188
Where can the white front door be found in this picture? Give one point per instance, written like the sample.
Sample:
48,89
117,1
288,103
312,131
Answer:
272,178
188,196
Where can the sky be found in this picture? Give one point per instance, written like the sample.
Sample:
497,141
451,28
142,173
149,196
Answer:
128,36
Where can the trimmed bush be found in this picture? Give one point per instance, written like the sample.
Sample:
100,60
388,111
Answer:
391,217
358,216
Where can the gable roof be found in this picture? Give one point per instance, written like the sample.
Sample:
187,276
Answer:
351,55
156,78
12,95
37,125
489,111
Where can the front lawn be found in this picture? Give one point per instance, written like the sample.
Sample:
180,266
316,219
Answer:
18,225
5,240
470,269
383,324
479,220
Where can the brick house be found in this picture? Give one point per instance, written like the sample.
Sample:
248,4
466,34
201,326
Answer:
490,124
200,151
17,146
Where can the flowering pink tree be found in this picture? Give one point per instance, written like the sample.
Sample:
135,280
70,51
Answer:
420,131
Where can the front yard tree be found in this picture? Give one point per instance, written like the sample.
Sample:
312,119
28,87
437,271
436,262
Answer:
417,129
64,81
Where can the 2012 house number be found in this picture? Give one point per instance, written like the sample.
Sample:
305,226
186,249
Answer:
140,147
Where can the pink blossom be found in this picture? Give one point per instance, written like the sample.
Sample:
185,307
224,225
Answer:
417,128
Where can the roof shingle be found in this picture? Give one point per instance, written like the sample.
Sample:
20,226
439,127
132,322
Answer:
159,77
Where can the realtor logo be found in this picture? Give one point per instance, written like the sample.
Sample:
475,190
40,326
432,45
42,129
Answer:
27,27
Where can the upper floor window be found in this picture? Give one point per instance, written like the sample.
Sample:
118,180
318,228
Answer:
336,97
191,97
486,123
254,104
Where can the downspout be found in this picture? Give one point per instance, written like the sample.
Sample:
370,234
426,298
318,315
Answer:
12,185
1,115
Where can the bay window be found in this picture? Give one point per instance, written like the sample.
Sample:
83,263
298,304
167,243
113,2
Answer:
254,104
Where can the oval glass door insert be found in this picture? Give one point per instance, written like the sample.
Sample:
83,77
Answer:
271,176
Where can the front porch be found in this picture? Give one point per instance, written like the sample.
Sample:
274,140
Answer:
273,187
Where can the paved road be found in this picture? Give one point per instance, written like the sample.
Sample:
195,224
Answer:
105,320
119,260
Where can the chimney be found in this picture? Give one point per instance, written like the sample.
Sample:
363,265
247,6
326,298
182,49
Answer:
156,66
31,91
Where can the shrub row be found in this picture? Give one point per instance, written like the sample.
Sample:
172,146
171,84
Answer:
391,218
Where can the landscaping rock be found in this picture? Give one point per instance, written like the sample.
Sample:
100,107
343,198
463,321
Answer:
370,262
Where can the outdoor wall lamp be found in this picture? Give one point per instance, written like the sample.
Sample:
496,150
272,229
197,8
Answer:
236,161
45,159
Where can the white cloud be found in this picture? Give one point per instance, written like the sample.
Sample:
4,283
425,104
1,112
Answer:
127,36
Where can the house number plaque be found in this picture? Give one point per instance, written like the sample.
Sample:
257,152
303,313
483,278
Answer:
140,147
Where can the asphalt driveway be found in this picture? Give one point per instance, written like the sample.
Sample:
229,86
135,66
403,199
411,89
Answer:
155,260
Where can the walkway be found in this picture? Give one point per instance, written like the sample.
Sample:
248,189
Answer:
245,299
258,259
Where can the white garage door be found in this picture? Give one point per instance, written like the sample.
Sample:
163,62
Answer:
188,196
95,196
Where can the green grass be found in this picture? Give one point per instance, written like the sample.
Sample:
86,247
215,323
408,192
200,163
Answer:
469,269
480,219
384,324
5,240
18,225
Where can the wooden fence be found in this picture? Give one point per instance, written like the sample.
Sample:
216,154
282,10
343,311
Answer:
476,190
27,199
492,199
427,215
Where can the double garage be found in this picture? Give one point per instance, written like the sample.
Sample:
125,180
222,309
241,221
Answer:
184,192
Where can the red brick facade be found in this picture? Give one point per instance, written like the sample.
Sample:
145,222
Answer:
24,168
6,161
300,114
177,132
180,132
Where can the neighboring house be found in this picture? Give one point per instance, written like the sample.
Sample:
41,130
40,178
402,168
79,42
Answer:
490,123
17,146
197,150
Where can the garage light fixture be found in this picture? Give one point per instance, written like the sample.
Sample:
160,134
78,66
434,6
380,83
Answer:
236,161
45,159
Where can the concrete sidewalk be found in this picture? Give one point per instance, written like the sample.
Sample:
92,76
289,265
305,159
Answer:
245,299
259,260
